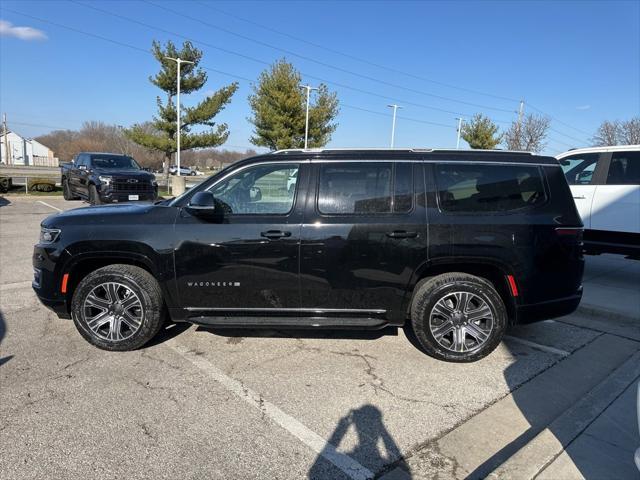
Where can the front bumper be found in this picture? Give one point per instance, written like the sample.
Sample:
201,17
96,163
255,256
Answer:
550,309
47,279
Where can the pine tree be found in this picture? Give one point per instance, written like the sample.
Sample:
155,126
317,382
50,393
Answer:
279,109
481,133
162,135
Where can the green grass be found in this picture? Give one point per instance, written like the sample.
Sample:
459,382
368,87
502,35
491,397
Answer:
19,191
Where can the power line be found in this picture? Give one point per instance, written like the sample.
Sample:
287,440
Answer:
559,121
257,60
353,57
146,51
318,62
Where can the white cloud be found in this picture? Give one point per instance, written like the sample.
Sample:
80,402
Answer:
583,107
7,29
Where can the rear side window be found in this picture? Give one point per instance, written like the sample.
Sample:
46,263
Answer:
624,169
488,188
365,188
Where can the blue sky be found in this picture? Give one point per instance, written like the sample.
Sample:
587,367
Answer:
578,62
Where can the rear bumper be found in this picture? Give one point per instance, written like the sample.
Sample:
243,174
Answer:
550,309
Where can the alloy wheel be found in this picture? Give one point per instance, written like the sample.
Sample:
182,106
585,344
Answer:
113,311
461,321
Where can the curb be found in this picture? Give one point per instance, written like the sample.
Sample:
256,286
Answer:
593,311
543,449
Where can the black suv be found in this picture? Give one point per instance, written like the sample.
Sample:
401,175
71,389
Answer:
455,244
106,178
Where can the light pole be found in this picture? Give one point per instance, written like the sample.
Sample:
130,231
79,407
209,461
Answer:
308,88
179,62
459,131
393,124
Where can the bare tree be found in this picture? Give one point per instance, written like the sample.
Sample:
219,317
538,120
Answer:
608,133
528,134
630,132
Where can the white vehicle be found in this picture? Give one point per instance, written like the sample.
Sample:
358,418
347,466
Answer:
173,170
605,184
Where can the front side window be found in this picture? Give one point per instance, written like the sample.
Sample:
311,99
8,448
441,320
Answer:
579,168
365,188
624,169
488,188
258,190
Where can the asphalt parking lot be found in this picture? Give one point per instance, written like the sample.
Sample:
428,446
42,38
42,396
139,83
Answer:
202,403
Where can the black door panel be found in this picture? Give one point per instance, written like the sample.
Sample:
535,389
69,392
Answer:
361,262
242,261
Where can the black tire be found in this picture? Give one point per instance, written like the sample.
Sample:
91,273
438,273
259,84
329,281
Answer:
147,292
429,292
193,174
94,197
66,190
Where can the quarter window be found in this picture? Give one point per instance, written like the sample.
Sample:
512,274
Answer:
488,188
365,188
624,169
258,190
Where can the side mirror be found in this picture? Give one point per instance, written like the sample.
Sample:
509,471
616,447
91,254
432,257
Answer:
202,205
255,194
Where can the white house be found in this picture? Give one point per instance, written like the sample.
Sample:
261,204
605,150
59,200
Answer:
25,151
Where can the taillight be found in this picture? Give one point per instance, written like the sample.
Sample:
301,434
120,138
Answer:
570,231
570,235
512,285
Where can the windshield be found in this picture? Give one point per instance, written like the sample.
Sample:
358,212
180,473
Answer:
114,161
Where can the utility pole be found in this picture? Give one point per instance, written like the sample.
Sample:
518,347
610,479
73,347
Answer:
459,131
308,88
179,62
6,145
520,112
393,124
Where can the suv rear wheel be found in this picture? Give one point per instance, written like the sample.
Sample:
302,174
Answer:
66,190
118,307
458,317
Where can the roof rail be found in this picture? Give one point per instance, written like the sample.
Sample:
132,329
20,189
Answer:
351,149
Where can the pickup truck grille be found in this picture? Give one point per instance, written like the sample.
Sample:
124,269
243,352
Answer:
125,186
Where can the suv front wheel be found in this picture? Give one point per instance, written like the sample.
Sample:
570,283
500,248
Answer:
118,307
458,317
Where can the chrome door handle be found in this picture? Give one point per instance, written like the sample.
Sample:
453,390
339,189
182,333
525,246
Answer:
402,234
580,197
275,234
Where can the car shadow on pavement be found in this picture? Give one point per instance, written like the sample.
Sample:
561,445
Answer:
3,331
371,434
299,333
167,332
4,202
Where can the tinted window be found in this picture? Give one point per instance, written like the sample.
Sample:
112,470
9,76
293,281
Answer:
258,190
624,169
579,168
403,188
488,188
365,188
114,161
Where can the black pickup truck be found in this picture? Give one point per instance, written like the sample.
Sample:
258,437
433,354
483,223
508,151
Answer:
106,178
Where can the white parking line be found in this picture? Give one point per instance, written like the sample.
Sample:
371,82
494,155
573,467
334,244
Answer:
348,465
50,206
544,348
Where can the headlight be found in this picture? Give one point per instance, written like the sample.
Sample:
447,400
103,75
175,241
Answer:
106,180
49,235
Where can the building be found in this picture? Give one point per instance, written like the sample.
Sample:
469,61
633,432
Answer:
25,151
